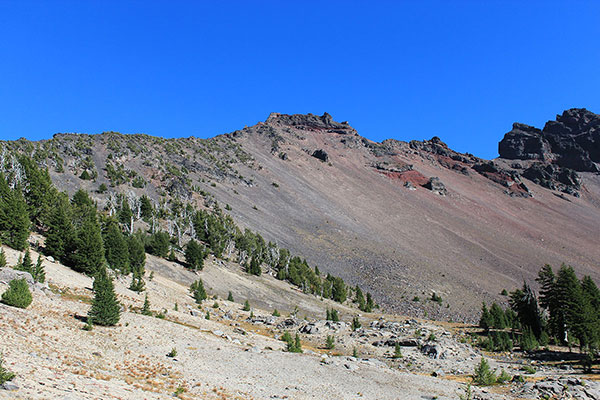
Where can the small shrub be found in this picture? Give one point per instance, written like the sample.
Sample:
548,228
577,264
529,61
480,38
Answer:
484,376
276,313
215,305
432,337
246,306
397,350
503,377
207,316
146,308
528,369
355,323
354,352
172,353
17,294
329,343
5,375
178,391
416,298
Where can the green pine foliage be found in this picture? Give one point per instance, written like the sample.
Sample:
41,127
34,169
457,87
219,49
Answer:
195,255
2,257
246,306
230,296
276,313
17,294
484,376
61,236
14,217
105,310
89,257
253,267
146,307
293,345
25,264
38,271
330,342
158,244
116,248
397,350
5,375
198,292
137,261
332,315
356,323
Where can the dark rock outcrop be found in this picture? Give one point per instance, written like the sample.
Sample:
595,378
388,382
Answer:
554,177
436,186
524,142
572,141
311,121
321,155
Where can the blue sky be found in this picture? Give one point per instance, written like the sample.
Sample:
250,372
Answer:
464,71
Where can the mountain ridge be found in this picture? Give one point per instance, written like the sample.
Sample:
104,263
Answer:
402,219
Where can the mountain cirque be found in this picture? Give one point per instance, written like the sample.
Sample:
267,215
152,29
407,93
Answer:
402,219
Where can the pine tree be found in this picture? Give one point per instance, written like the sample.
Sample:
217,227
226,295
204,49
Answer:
230,296
198,292
194,255
89,257
14,219
17,294
125,213
137,281
498,316
246,306
254,267
359,298
524,303
485,321
38,190
60,238
116,248
356,323
25,263
397,350
549,301
2,257
105,309
570,302
329,342
370,303
146,308
137,254
38,272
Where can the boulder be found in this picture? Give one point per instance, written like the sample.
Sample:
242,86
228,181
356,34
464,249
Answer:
432,351
321,155
8,274
436,186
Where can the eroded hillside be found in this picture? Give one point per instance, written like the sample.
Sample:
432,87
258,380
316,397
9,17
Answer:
400,219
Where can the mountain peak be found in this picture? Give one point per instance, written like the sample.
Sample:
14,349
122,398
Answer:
310,121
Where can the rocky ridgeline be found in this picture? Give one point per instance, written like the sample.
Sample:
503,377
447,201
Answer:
309,121
553,154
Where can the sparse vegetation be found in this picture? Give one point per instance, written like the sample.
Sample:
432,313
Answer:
5,375
17,294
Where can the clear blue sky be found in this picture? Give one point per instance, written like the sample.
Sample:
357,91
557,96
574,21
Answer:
464,71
